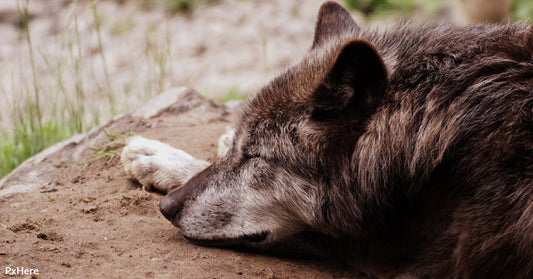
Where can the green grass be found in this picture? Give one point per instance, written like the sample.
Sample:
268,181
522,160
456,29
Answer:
25,141
108,149
30,133
42,116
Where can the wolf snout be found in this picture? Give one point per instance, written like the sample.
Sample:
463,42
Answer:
171,206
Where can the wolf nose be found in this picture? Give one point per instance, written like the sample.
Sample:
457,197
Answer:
170,207
172,204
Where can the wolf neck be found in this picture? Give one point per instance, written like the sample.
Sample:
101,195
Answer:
387,156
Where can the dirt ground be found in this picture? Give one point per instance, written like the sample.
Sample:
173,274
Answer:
88,220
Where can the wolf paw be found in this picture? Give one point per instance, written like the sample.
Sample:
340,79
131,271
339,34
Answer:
157,165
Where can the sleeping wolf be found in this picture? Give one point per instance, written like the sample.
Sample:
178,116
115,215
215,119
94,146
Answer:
407,153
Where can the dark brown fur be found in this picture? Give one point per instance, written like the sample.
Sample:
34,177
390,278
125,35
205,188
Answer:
418,141
440,182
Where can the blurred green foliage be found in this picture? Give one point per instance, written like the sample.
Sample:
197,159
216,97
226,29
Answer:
234,94
174,6
182,6
369,7
522,10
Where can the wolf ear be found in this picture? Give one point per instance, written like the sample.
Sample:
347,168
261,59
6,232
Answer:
332,21
354,85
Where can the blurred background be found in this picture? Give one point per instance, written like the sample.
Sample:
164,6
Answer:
67,66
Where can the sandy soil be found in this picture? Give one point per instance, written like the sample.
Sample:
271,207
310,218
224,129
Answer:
88,220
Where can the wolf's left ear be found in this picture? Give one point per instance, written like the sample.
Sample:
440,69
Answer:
332,21
354,85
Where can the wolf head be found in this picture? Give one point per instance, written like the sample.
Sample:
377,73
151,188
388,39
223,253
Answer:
292,149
